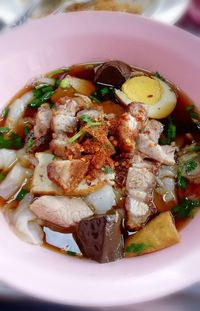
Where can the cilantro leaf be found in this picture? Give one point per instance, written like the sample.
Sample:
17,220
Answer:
185,208
103,93
191,111
30,143
89,121
107,169
190,165
4,130
181,181
137,248
170,133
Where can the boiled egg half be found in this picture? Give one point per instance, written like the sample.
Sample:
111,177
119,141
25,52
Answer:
155,93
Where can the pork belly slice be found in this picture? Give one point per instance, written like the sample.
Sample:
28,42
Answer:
63,122
130,124
67,174
41,184
63,119
42,121
147,143
61,211
141,180
95,114
61,148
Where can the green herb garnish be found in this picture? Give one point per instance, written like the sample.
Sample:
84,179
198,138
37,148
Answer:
16,141
21,194
194,115
70,253
89,121
137,248
2,177
64,84
193,149
76,137
181,181
170,133
42,93
159,76
26,130
107,169
185,209
4,130
185,167
30,143
190,165
103,93
5,113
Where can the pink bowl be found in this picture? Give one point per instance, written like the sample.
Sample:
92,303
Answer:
43,45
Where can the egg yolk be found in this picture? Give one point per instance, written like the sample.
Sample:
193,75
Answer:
143,89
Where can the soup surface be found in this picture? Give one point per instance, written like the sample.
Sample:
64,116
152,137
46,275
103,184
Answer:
100,161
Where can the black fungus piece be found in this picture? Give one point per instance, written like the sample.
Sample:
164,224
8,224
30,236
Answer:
113,73
100,237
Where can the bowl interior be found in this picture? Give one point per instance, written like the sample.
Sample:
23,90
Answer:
63,40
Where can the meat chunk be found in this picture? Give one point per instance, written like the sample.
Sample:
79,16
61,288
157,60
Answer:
94,114
100,238
61,211
147,143
153,130
42,121
67,174
130,124
41,184
61,148
63,120
141,180
113,72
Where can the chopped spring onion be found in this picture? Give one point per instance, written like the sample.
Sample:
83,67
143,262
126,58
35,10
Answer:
64,84
21,194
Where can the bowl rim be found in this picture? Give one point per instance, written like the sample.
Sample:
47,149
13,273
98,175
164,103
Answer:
190,278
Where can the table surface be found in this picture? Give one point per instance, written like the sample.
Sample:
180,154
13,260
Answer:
188,299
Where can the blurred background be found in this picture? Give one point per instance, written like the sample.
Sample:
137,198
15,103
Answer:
184,14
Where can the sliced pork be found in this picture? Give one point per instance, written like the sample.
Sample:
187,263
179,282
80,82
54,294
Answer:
67,174
130,125
141,180
62,211
147,143
42,121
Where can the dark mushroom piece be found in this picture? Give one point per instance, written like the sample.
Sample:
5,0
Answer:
113,73
100,238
